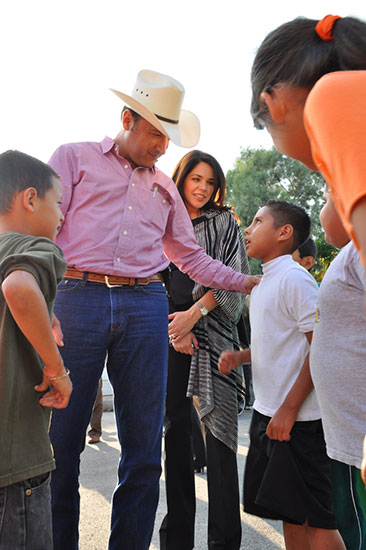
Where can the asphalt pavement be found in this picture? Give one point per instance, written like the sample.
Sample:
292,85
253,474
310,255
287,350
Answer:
98,479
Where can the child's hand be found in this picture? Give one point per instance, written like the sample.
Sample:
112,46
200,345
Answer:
57,397
250,282
281,424
228,361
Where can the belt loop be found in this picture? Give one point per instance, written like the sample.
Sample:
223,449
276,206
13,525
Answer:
132,282
85,278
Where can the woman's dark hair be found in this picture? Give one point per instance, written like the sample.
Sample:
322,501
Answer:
187,164
294,54
19,171
283,213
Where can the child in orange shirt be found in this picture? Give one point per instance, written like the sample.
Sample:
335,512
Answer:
309,91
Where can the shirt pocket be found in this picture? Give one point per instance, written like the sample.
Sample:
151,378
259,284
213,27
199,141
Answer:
157,204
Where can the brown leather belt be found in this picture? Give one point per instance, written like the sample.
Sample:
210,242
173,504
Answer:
110,280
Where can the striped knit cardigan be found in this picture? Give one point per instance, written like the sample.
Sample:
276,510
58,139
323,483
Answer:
219,235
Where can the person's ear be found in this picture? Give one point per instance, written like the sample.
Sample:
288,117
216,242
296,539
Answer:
29,198
127,120
275,103
286,232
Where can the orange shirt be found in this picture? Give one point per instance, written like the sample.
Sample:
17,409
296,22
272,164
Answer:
335,121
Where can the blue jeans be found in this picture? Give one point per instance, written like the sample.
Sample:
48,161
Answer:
25,515
129,326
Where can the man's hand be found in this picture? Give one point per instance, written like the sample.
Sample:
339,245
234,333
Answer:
281,424
188,344
57,331
250,282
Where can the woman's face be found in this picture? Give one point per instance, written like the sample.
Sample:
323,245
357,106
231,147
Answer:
198,188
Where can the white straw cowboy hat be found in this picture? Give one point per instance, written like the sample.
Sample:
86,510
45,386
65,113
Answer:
158,99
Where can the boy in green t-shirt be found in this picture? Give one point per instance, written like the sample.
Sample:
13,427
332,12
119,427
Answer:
33,377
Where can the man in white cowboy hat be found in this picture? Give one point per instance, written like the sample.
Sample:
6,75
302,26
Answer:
123,220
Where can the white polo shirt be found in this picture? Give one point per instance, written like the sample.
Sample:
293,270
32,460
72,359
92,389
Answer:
282,310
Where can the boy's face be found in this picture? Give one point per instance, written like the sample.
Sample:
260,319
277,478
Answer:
306,261
261,237
48,216
335,233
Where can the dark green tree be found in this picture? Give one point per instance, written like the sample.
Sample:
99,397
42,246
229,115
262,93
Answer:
260,174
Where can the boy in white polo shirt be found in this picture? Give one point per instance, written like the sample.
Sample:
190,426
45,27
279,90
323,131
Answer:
287,474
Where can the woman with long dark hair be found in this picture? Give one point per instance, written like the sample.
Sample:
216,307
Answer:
203,322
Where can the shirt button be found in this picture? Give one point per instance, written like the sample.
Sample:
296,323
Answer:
126,166
118,259
130,207
133,185
164,201
125,232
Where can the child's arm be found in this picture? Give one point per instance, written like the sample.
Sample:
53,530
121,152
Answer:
284,418
230,360
358,219
363,465
28,308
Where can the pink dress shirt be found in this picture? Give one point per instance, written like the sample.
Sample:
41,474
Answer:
120,221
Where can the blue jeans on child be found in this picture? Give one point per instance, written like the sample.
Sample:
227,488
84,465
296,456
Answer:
129,326
25,515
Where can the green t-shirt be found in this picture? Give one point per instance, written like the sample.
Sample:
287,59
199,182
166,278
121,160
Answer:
25,448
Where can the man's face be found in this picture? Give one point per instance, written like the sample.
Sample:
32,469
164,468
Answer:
143,144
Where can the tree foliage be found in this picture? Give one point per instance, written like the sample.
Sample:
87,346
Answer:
326,253
259,175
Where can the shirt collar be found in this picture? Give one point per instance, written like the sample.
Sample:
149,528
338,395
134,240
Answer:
109,144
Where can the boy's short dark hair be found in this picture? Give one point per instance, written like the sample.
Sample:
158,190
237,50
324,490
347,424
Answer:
288,213
308,248
19,171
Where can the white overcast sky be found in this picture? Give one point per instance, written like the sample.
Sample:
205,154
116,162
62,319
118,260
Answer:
59,59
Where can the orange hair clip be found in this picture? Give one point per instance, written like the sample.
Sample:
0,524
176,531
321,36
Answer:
324,27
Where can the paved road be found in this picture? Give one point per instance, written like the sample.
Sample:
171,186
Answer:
98,478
